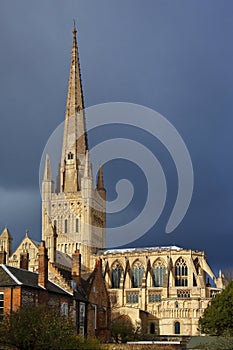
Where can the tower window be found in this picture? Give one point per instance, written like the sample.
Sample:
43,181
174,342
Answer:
66,226
76,224
70,155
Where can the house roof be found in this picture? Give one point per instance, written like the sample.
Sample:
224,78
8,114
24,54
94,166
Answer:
13,276
199,341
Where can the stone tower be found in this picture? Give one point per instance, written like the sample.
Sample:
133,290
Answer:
73,214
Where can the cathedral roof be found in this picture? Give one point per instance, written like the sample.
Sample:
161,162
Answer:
139,250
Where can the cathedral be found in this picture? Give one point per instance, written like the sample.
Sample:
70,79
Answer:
164,290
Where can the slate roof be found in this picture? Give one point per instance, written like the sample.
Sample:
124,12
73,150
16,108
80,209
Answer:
13,276
199,342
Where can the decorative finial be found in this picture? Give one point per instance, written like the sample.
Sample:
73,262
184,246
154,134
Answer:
27,233
74,29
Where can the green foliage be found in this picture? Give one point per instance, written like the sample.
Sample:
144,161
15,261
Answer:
31,328
122,329
218,317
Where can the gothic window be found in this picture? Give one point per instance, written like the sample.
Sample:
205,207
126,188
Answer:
1,305
70,156
132,297
116,275
66,226
76,225
154,297
159,273
137,274
181,273
177,328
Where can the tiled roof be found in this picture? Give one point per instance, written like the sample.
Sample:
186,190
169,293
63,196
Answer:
13,276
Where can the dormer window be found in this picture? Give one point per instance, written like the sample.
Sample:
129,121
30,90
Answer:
70,156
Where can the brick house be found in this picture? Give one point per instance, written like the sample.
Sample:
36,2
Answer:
95,304
84,296
20,287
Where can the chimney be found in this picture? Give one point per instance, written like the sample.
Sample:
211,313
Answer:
43,266
2,255
76,267
24,260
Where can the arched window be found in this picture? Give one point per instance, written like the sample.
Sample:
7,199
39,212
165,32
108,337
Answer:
116,275
66,226
177,328
159,273
137,274
181,273
66,248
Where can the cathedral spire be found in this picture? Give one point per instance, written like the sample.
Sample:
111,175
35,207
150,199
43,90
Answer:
74,101
74,140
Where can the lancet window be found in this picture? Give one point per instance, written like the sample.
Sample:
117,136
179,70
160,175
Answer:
116,274
181,273
159,273
137,274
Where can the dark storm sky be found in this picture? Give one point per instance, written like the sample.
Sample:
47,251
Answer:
174,56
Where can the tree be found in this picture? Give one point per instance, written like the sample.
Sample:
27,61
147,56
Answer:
217,318
122,329
31,328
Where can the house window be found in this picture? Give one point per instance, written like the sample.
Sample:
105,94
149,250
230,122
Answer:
66,226
177,328
64,308
95,316
154,297
132,297
1,304
81,312
116,275
81,331
76,224
181,273
159,273
152,328
137,274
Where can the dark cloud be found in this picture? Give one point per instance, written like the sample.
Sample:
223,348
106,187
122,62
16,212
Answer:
174,57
